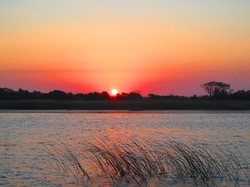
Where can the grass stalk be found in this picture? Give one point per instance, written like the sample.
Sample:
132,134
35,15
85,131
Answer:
139,162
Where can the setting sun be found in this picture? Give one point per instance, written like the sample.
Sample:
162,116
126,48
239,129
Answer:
157,47
114,91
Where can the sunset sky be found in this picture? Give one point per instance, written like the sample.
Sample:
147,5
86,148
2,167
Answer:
155,46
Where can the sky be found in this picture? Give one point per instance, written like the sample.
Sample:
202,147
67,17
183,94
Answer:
154,46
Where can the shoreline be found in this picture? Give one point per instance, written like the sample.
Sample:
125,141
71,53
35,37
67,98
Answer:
13,111
133,105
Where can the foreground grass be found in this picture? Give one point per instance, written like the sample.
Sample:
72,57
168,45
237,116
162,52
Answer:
140,161
145,104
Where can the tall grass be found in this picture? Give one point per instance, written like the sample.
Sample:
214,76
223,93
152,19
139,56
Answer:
140,161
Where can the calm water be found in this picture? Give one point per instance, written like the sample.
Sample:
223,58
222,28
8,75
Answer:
25,162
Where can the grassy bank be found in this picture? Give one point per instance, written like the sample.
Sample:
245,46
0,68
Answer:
145,104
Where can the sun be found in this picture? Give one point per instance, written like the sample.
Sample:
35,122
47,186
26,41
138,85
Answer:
114,91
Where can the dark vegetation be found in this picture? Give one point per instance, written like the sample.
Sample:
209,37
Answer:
141,161
220,97
9,94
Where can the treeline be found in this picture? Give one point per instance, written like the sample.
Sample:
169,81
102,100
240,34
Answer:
9,94
215,94
238,95
223,91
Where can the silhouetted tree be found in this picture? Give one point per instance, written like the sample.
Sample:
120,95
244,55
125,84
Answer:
216,88
80,96
97,96
57,95
123,95
23,94
105,95
36,95
128,96
6,93
9,94
134,96
69,96
168,97
153,96
241,95
194,97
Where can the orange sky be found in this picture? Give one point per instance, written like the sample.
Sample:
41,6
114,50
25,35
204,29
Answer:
153,46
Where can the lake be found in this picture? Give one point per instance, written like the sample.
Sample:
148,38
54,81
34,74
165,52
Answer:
25,161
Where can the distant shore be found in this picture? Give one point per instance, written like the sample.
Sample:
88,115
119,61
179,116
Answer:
134,105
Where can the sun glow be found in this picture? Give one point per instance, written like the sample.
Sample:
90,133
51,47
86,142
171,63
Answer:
114,91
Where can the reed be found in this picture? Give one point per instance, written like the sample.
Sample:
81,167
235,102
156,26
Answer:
140,161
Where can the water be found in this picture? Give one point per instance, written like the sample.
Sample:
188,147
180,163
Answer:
24,160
